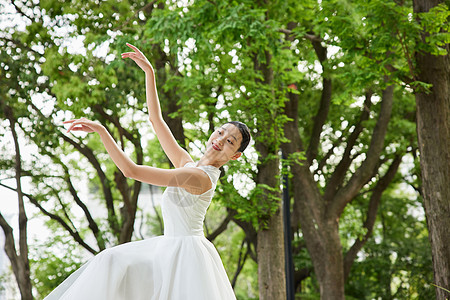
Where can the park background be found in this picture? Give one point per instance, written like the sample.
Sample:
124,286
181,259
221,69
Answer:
343,89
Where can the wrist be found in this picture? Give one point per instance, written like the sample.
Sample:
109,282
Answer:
102,130
149,71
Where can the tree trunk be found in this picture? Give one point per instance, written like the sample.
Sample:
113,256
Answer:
332,264
271,264
433,131
321,236
270,240
319,219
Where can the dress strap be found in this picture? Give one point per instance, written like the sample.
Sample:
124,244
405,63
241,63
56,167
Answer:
212,172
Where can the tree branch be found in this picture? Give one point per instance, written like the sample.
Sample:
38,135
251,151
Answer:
324,159
308,203
322,113
10,247
372,210
73,233
22,270
223,226
104,181
23,246
115,120
128,211
57,218
307,36
365,171
19,10
300,275
89,154
92,224
250,232
20,44
240,263
339,173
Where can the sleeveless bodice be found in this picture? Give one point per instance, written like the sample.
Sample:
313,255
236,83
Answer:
183,212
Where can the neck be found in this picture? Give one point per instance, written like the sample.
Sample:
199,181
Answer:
205,161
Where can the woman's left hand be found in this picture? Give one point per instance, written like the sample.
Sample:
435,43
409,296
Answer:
83,124
139,58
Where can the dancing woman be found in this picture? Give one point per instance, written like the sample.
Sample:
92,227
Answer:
182,264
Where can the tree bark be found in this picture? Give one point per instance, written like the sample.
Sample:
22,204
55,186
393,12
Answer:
270,241
270,251
433,131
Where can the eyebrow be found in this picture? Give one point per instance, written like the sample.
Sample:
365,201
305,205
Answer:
230,134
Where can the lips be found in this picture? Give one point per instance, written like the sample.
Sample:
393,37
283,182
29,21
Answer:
215,147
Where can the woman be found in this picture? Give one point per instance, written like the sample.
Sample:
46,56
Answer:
182,264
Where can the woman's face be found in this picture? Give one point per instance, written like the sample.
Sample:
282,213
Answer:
224,143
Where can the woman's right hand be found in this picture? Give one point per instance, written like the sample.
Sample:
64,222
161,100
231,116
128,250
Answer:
83,124
139,58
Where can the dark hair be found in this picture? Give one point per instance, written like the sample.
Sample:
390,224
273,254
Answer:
245,132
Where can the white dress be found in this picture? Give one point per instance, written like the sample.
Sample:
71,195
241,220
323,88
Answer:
180,265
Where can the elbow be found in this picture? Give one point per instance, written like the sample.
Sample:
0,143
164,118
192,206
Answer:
153,122
129,172
156,120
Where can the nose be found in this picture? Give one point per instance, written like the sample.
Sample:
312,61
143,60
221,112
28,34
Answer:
220,140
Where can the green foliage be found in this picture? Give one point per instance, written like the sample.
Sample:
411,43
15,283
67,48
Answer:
226,39
396,262
435,23
52,261
215,56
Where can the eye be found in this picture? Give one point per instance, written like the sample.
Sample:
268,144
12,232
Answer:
229,141
220,132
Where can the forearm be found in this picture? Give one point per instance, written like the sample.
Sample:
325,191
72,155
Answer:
122,161
154,107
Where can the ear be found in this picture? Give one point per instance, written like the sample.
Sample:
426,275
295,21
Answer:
236,155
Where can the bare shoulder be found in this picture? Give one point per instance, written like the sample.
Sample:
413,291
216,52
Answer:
196,180
184,161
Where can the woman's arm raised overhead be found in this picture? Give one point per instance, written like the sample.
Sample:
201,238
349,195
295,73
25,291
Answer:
194,180
177,155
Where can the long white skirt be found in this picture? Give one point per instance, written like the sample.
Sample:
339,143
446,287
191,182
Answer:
160,268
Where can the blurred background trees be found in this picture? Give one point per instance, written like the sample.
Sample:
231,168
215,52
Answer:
331,84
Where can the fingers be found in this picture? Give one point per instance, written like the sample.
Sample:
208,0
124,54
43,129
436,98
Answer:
79,128
76,123
73,120
133,47
132,56
69,121
136,50
72,127
129,55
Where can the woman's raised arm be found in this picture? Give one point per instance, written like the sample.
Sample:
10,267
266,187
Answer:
193,180
177,155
